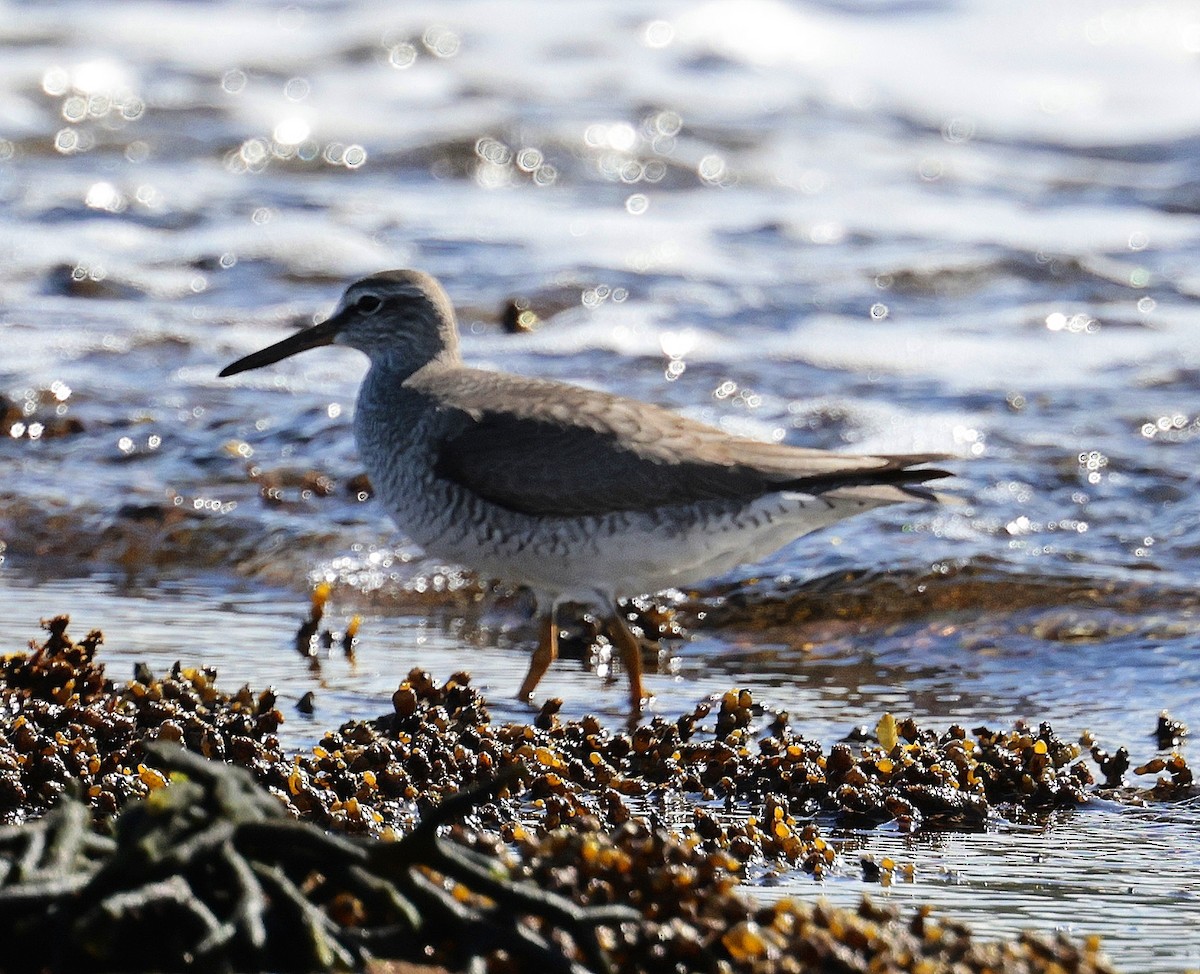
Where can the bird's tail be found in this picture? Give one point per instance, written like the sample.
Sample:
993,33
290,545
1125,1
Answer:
877,495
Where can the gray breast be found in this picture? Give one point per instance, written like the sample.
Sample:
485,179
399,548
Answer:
398,432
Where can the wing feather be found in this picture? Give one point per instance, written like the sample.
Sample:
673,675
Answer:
550,449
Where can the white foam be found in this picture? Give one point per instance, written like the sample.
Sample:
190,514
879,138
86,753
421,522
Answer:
1080,72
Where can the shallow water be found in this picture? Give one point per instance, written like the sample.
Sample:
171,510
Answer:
862,225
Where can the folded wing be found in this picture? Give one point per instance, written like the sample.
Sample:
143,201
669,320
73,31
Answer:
549,449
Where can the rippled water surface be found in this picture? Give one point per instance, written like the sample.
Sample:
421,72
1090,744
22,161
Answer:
899,226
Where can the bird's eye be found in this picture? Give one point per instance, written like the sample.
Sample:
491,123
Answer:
368,304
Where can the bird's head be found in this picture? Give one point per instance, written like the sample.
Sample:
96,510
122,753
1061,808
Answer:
400,319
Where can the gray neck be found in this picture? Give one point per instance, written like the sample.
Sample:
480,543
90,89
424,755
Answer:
393,363
386,418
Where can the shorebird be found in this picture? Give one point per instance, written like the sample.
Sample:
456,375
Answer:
581,495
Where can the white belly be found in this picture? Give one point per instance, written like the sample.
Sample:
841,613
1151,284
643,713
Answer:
636,554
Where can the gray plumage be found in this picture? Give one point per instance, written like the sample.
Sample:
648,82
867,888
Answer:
575,492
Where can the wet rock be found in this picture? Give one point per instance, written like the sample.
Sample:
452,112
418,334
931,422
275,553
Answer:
359,487
570,805
66,725
42,416
81,281
517,317
1169,732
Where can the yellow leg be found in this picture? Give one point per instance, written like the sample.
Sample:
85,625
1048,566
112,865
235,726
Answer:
631,655
543,656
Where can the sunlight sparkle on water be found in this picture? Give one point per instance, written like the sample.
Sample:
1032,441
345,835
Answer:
104,196
616,135
292,130
658,33
296,89
1075,324
758,31
677,344
233,81
402,55
441,41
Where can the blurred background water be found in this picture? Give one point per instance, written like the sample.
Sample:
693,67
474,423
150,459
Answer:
870,225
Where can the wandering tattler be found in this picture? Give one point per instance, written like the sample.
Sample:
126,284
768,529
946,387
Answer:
581,495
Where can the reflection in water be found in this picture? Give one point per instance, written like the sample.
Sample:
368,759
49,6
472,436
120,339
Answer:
1071,874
